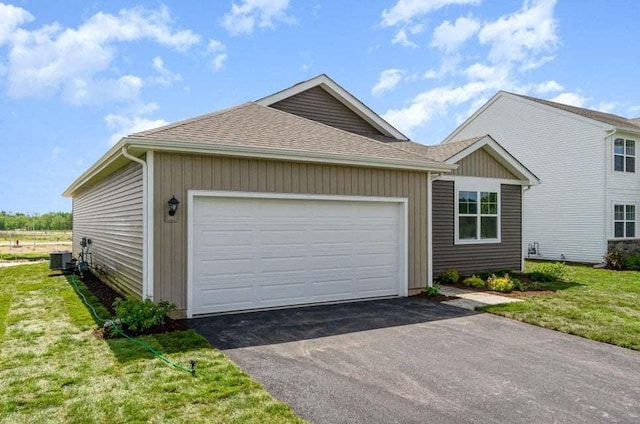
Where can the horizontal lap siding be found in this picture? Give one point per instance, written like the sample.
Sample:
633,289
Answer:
176,174
318,105
474,258
110,214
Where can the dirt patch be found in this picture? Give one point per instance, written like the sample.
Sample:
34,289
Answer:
106,296
438,298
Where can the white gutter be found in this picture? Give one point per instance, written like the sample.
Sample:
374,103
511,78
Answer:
430,230
147,231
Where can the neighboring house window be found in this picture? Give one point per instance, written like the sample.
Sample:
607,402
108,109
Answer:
624,155
478,215
624,221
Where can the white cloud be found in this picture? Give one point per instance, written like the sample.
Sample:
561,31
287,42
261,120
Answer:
246,14
449,37
165,77
433,103
75,61
607,107
548,87
523,35
124,125
571,99
217,50
387,81
402,39
11,18
404,11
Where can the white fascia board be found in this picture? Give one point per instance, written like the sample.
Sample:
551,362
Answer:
288,155
343,96
500,154
460,127
112,154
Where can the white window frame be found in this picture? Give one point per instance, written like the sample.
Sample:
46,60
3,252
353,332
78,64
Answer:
624,221
624,155
478,185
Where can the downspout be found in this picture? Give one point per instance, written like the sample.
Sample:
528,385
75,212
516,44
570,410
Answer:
430,178
146,283
608,166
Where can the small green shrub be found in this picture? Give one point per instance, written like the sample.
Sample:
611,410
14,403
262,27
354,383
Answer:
449,276
615,259
487,274
632,262
474,281
518,284
139,315
432,291
500,284
548,272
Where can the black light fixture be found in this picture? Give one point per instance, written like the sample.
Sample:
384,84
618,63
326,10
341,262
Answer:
173,205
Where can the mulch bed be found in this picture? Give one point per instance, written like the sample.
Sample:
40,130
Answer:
515,293
106,296
438,298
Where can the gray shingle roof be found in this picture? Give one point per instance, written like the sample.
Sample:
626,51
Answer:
607,118
254,125
437,152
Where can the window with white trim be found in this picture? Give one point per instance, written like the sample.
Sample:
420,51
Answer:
624,221
624,155
478,217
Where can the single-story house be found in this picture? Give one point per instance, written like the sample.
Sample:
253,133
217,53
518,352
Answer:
301,197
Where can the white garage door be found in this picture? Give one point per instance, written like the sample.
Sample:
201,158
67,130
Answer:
257,252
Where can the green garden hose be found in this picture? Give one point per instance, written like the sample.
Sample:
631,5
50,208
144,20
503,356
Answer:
115,326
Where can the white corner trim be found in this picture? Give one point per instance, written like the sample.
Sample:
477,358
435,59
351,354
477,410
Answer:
340,94
150,224
429,231
403,243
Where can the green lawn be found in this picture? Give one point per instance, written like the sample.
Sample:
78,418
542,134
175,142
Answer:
53,369
598,304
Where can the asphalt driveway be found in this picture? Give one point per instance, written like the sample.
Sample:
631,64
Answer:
413,361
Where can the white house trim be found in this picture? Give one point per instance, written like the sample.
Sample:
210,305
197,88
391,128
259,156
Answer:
403,247
477,185
340,94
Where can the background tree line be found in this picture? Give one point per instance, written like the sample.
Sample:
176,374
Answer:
45,222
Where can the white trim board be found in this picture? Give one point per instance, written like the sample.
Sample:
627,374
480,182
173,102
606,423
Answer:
403,247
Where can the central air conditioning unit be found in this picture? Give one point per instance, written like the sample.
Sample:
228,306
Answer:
60,261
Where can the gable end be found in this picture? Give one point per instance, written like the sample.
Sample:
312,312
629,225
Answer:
318,105
481,164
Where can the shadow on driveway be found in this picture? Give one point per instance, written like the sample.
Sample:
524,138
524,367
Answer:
288,325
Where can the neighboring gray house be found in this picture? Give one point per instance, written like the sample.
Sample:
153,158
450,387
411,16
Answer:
589,199
304,196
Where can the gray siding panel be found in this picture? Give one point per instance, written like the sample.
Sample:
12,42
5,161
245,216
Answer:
110,214
318,105
482,164
176,174
469,259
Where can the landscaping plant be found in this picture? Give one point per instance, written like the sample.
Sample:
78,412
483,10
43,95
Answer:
615,259
449,276
140,315
474,281
432,291
548,272
500,284
632,262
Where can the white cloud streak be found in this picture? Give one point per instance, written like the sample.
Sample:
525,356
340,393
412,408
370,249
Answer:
125,125
449,37
387,81
247,14
405,11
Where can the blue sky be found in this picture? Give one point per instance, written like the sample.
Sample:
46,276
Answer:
75,76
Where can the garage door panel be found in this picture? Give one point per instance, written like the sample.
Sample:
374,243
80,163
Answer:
250,253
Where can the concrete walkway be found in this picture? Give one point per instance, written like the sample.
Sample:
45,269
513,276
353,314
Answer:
469,299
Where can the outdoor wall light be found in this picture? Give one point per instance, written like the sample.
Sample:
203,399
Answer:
173,205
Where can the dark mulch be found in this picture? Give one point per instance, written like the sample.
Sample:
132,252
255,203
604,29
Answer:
106,296
526,280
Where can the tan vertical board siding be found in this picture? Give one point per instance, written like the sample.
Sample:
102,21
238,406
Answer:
170,242
482,164
110,214
320,106
474,258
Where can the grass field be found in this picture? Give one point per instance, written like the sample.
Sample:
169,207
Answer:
27,237
32,245
598,304
54,370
